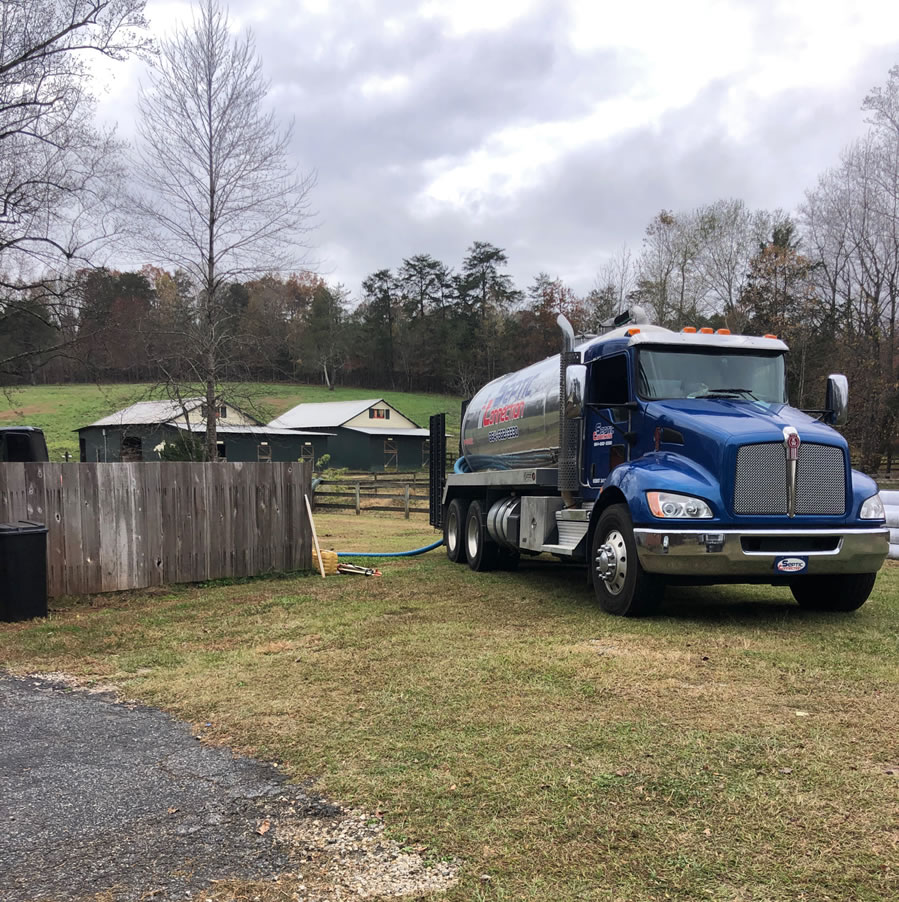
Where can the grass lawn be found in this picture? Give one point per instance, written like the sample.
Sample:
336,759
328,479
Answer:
61,409
732,748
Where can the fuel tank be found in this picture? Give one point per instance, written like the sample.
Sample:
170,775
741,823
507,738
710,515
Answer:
514,421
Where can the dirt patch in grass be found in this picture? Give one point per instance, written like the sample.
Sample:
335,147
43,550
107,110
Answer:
25,411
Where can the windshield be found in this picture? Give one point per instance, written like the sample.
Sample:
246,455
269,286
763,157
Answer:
689,373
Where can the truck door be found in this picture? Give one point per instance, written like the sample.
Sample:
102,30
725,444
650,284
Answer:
606,419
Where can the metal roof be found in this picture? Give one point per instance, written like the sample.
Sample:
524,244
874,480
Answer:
246,430
327,414
148,413
388,433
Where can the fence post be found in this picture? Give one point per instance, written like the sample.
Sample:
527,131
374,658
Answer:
358,507
407,500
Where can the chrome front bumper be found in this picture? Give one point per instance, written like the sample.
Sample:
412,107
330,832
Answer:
734,553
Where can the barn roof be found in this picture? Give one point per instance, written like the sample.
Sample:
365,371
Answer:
328,415
389,433
247,430
148,413
155,413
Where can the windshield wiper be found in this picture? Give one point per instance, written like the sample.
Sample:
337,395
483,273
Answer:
727,392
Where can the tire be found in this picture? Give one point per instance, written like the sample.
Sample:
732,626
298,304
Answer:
621,585
481,551
837,592
454,530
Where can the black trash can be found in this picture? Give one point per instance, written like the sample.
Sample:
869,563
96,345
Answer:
23,570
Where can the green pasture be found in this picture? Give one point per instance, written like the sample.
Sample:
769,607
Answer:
61,409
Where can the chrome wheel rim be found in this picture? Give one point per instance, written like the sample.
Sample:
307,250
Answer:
610,562
452,531
473,538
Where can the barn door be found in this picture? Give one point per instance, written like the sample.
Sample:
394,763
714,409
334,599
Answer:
391,456
131,452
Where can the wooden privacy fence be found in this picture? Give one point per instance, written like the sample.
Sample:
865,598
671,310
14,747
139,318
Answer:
128,526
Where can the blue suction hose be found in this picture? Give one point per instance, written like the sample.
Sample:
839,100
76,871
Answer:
461,466
412,553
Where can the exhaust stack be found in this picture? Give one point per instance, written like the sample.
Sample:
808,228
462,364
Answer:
569,429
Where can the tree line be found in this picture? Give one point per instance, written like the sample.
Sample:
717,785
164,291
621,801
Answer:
427,326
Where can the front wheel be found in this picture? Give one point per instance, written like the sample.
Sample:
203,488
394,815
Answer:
838,592
622,586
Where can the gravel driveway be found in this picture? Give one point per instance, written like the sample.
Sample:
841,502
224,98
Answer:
98,796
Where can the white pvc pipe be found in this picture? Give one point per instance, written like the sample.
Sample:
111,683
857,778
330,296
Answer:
890,501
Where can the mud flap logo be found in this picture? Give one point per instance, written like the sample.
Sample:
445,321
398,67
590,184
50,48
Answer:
791,564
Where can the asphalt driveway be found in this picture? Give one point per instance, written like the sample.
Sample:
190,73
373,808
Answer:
97,796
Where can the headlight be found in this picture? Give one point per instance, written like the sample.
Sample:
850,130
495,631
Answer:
872,509
667,505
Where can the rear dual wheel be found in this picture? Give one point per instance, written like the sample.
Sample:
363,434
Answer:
454,530
482,552
466,538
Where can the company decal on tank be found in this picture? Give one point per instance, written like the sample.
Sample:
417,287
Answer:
495,415
507,402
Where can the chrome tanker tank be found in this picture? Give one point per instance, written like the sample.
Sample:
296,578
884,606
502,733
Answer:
514,421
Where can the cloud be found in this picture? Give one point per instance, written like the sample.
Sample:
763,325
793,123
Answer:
554,130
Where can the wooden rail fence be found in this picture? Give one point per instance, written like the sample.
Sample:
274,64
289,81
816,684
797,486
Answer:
119,526
373,494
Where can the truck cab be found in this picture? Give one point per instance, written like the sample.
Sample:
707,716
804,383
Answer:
678,460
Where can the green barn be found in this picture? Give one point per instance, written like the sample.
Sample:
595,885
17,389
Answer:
138,433
367,435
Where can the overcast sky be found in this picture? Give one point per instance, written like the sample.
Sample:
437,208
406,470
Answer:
555,130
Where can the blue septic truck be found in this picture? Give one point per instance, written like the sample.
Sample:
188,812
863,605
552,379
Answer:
657,457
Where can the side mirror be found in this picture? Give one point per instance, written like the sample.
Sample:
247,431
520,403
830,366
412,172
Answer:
575,381
837,402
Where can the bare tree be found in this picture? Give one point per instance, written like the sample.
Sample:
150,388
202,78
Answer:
219,197
669,280
612,287
851,219
733,234
58,172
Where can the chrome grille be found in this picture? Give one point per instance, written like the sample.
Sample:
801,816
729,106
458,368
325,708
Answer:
760,486
820,480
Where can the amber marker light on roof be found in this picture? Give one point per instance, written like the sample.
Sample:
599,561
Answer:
769,335
690,330
724,331
632,331
705,330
